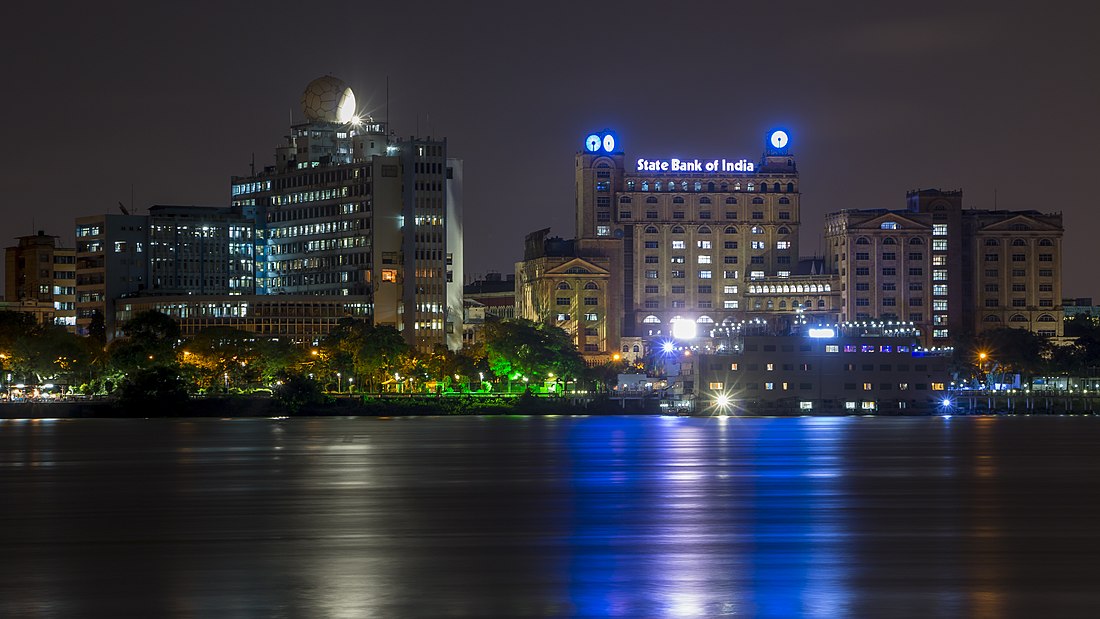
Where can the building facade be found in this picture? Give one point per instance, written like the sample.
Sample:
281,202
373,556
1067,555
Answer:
41,276
948,270
349,210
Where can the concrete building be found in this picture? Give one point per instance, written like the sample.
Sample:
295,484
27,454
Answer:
948,270
41,277
709,242
490,298
837,368
200,250
350,210
298,318
110,262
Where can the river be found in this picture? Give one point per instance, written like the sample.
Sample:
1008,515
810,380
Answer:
555,516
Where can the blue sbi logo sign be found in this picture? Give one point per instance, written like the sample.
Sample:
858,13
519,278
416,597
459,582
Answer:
600,142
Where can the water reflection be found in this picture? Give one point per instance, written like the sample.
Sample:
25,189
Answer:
550,516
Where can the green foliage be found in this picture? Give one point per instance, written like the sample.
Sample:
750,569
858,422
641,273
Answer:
161,386
525,348
358,348
151,339
297,391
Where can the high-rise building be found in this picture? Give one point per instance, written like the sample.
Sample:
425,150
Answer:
950,270
200,250
110,263
37,270
350,210
690,244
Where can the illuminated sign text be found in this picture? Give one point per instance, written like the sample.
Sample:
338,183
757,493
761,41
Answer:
695,165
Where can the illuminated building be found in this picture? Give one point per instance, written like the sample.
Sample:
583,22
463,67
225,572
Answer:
200,250
712,241
40,277
298,318
349,210
839,368
171,251
491,298
951,271
557,286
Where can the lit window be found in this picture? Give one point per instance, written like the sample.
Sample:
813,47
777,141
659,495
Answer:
389,275
939,229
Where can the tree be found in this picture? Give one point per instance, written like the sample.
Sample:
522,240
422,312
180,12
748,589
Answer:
370,352
150,340
1014,350
516,348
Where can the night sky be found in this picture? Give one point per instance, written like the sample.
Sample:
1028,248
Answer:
998,101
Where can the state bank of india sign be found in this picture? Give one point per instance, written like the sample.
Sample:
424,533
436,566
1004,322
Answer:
695,165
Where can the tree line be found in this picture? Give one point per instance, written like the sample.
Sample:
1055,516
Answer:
355,357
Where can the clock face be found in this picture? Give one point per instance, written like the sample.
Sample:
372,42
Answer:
592,143
779,139
609,143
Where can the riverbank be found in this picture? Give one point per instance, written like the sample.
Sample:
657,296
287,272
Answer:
390,406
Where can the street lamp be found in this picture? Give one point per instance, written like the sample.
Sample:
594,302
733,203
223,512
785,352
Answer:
981,369
339,382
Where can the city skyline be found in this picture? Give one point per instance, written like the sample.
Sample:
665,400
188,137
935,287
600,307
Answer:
876,105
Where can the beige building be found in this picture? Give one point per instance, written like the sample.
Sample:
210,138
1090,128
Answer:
556,286
948,270
41,277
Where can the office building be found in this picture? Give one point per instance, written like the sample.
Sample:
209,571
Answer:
350,210
40,277
949,270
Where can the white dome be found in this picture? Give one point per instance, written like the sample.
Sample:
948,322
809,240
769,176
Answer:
328,99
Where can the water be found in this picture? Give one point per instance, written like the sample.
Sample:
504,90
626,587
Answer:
551,516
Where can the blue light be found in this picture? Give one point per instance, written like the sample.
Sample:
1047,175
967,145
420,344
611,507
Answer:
668,347
592,143
779,139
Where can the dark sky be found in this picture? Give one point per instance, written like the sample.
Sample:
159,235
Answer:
172,100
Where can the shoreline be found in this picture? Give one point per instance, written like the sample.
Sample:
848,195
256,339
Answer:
257,407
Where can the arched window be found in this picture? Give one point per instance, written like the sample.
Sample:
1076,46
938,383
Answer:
783,230
564,286
821,302
624,200
757,230
1045,318
626,348
782,305
992,318
699,186
784,200
591,286
737,186
1019,243
704,200
758,200
916,241
725,187
636,349
775,188
730,230
677,229
645,185
771,304
889,241
731,200
710,186
750,187
763,188
1046,243
651,229
863,241
992,242
808,304
651,199
651,320
656,185
678,200
683,186
705,320
790,186
1017,318
703,230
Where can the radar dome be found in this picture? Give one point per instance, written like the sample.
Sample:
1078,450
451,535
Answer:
328,99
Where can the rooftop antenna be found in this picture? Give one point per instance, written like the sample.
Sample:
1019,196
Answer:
252,166
387,101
